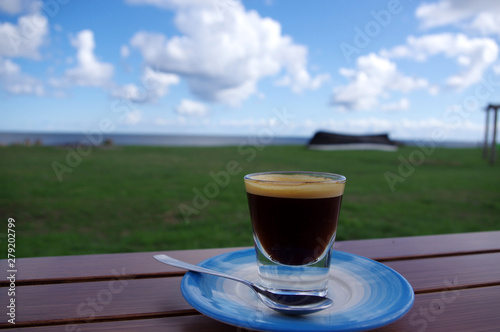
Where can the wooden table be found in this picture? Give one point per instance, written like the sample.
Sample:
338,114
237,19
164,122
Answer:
456,279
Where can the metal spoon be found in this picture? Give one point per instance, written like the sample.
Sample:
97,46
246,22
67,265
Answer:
289,303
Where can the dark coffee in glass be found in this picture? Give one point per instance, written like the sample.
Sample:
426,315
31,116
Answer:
294,218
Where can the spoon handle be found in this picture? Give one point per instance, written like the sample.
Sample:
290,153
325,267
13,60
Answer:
186,266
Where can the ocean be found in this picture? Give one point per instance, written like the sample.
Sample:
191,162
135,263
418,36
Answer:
98,138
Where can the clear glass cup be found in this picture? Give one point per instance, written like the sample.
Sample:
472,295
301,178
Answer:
294,219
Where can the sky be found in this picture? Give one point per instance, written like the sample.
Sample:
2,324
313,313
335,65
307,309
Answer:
413,69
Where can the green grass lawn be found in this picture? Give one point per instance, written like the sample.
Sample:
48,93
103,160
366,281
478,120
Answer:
126,199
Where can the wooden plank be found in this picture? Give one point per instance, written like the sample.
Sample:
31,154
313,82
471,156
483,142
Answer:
161,296
461,310
423,246
434,274
96,300
106,266
136,265
465,310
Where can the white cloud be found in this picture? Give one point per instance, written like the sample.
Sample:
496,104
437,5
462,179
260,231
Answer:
496,68
430,128
434,90
223,7
373,78
154,86
13,81
400,105
158,81
89,70
171,4
474,55
24,38
133,117
487,23
124,51
16,7
303,81
11,7
481,16
130,92
190,107
427,128
223,55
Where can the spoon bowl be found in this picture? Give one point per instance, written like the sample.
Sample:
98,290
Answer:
286,302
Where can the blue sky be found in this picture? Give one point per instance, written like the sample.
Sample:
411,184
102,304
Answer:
417,70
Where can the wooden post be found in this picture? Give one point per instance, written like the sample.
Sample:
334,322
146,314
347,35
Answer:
485,145
494,140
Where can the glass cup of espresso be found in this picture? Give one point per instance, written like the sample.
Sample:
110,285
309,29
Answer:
294,219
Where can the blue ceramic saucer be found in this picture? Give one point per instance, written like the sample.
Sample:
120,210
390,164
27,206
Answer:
366,295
